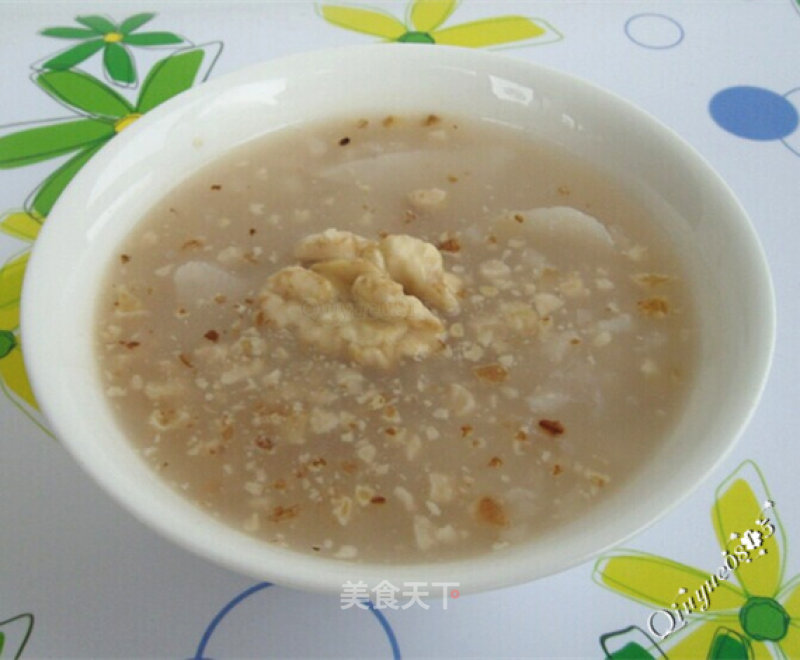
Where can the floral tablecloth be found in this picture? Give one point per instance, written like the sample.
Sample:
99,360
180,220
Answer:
81,578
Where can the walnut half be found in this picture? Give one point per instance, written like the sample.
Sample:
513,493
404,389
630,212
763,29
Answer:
371,301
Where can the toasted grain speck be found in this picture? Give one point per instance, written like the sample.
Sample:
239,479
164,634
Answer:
449,245
646,280
193,244
491,373
281,513
551,426
492,512
656,307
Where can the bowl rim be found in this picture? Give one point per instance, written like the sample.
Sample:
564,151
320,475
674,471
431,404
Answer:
292,568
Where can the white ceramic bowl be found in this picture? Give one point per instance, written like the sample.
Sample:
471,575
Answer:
114,190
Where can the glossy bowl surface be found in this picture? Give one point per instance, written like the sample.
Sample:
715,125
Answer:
119,185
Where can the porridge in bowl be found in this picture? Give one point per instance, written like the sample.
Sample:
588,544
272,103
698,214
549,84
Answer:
396,338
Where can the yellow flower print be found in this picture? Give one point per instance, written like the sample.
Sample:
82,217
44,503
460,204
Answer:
13,378
424,20
22,225
705,614
12,368
11,275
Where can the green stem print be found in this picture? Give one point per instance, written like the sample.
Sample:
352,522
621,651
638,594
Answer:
98,112
631,643
741,608
424,24
14,635
114,40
